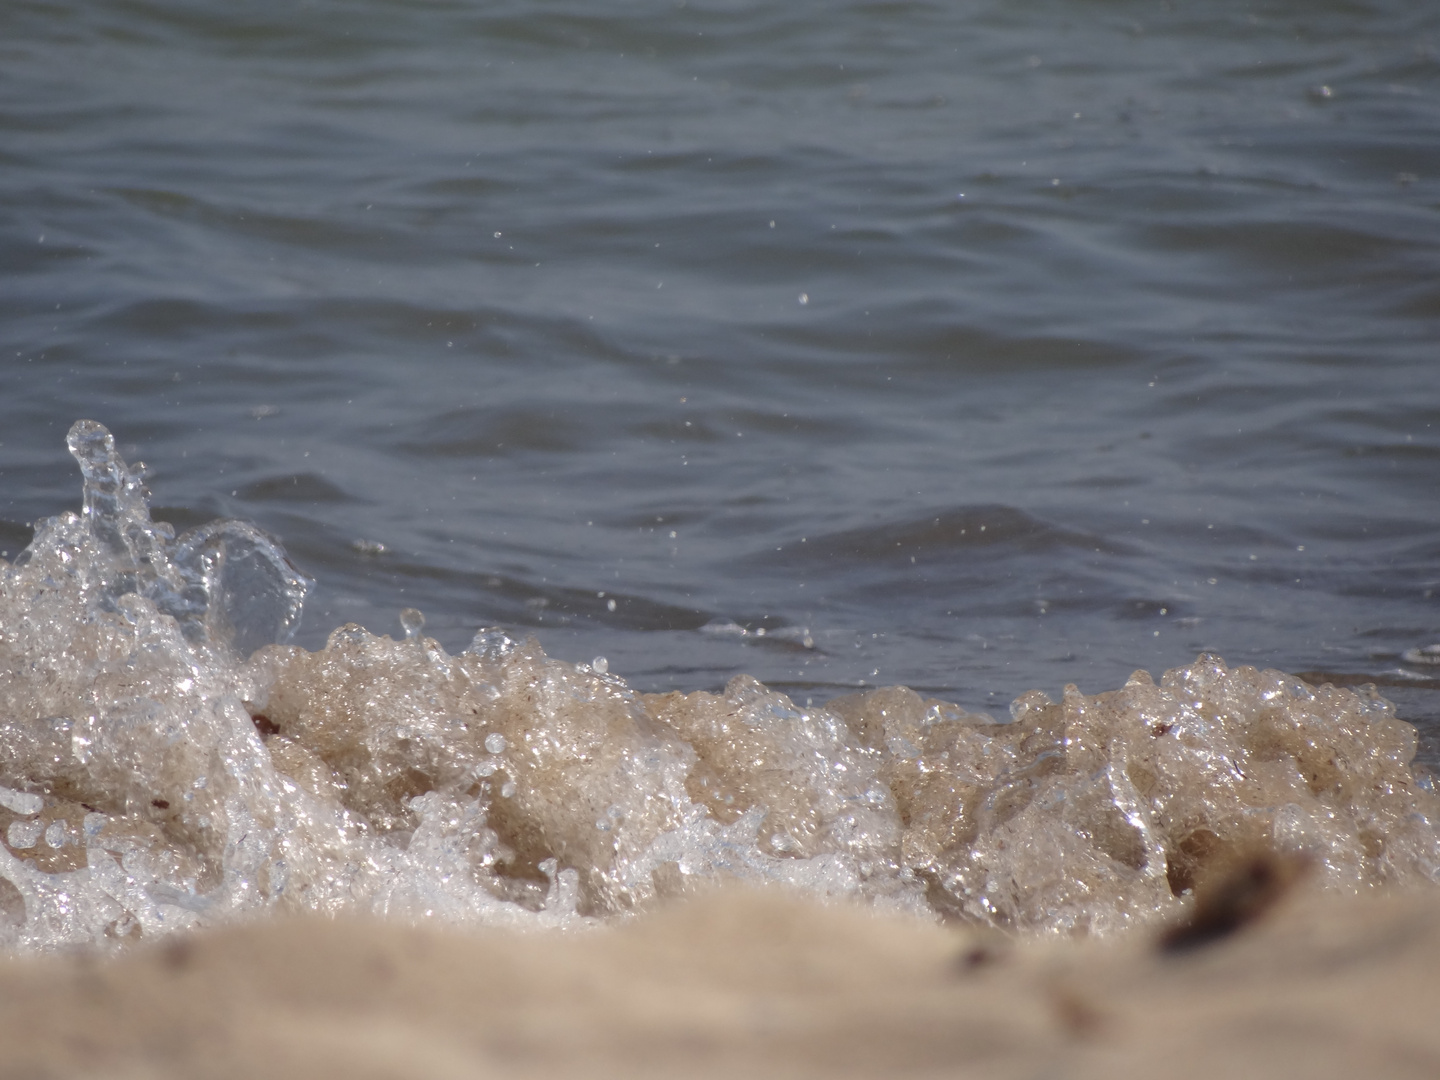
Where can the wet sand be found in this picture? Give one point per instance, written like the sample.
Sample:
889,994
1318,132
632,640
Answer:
742,983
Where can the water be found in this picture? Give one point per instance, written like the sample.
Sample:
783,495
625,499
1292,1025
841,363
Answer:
157,773
965,347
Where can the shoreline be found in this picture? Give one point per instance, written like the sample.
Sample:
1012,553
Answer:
743,982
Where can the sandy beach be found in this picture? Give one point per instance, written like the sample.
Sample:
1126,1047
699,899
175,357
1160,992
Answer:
742,983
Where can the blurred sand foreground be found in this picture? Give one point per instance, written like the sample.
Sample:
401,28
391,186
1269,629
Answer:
742,984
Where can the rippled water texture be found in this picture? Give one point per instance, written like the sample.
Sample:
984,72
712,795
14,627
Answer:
971,346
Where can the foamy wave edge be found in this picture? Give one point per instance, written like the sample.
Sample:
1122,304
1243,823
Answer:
166,762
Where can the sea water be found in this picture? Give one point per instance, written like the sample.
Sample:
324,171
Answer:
966,348
161,773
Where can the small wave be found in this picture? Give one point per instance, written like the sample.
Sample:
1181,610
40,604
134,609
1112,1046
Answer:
167,762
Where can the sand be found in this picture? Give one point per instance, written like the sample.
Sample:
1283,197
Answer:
742,983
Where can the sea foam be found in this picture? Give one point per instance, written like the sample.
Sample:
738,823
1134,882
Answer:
167,762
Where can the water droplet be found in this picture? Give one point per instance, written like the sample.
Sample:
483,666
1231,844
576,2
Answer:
412,621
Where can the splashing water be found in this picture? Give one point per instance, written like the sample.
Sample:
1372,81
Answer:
167,762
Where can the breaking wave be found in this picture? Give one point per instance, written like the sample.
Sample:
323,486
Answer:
168,762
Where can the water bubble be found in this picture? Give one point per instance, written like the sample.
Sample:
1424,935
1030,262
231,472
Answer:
22,802
600,665
491,643
24,834
495,743
412,621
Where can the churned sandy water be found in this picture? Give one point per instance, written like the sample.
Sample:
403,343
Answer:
161,773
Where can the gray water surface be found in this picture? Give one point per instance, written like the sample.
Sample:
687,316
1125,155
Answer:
973,346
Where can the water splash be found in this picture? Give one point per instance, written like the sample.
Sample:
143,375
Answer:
225,583
166,761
